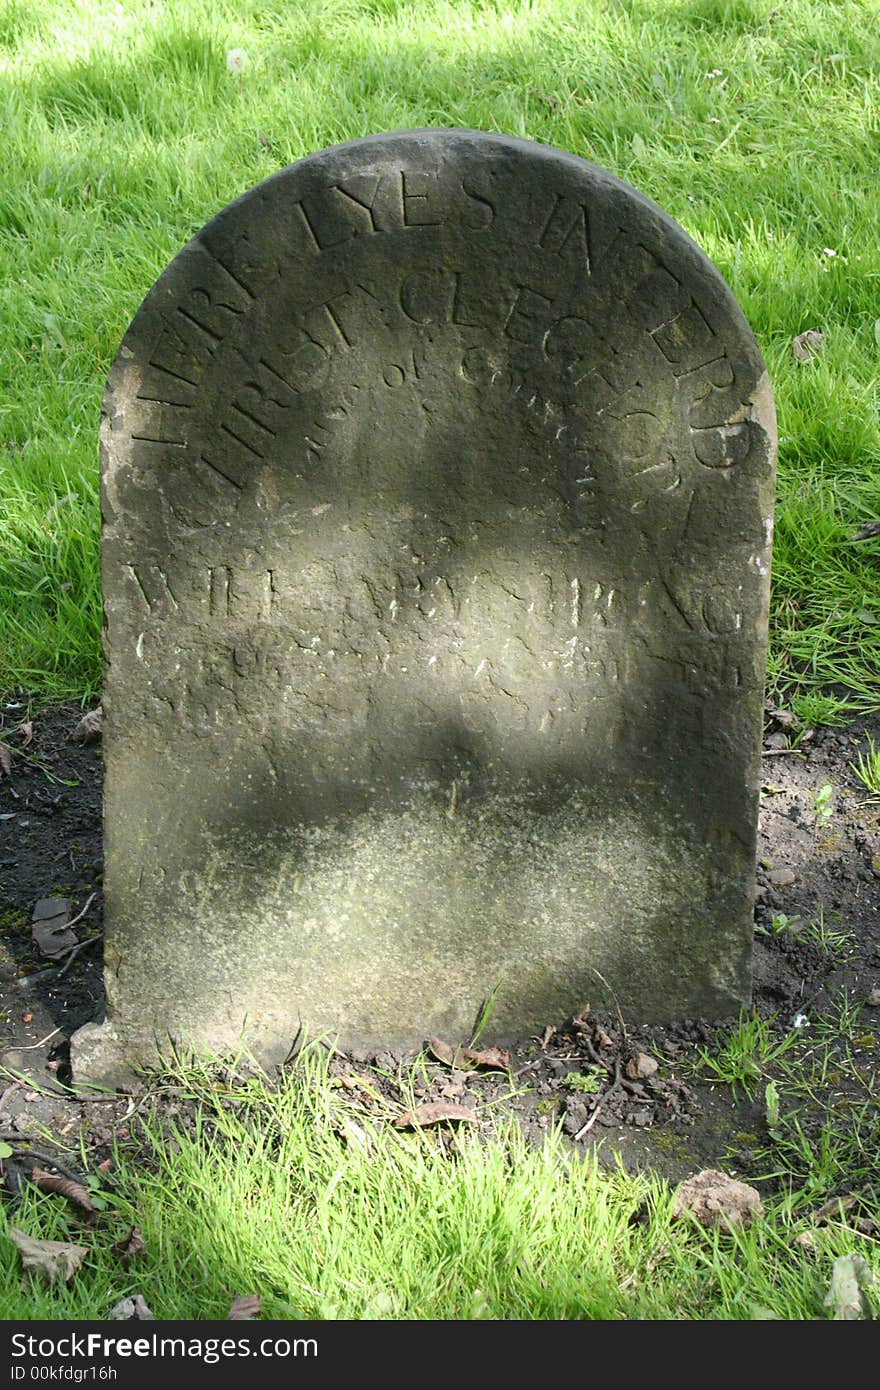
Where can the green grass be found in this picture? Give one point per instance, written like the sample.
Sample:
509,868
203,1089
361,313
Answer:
293,1192
122,133
867,768
756,125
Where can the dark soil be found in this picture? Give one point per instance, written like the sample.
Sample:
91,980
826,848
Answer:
817,954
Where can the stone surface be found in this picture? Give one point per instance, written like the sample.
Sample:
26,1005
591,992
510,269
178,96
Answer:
714,1199
437,490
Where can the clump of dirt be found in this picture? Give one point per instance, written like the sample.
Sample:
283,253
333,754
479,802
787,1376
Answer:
638,1092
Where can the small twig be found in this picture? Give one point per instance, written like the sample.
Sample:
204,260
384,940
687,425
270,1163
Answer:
778,752
601,977
75,950
82,912
615,1085
585,1129
72,952
38,1157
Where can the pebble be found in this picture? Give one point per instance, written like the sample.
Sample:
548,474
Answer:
782,878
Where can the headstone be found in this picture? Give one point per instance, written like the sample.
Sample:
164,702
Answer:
437,486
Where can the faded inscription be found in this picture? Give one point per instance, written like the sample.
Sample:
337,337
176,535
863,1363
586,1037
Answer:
437,492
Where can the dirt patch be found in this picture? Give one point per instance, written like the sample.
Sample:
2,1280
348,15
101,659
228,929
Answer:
817,950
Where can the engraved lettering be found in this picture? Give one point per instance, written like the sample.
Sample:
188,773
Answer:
211,315
170,443
483,218
417,189
235,431
567,229
179,354
721,447
152,584
306,222
371,187
526,320
458,308
226,476
424,296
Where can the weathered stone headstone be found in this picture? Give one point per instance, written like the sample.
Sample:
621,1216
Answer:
437,507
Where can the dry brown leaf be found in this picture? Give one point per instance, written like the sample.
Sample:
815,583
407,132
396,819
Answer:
785,717
27,732
833,1209
244,1309
602,1039
132,1310
457,1057
493,1057
807,345
5,760
130,1246
73,1191
433,1114
48,1260
91,726
449,1056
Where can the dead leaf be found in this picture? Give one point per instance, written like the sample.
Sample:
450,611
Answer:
870,528
785,717
449,1056
714,1199
494,1058
130,1246
833,1208
640,1066
131,1310
244,1309
90,727
27,732
433,1114
808,344
73,1191
50,1261
5,760
602,1039
849,1275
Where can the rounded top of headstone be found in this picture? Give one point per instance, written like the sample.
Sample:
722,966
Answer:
536,277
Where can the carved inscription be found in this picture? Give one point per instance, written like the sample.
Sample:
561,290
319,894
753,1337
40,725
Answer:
437,501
